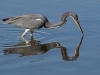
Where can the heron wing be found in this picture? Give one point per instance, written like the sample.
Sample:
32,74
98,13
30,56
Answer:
26,21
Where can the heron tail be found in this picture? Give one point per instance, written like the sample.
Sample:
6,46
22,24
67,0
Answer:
6,21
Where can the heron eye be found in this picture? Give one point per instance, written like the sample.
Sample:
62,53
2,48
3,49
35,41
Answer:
76,18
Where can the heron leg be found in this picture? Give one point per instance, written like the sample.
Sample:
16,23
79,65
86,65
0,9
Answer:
25,32
25,40
31,35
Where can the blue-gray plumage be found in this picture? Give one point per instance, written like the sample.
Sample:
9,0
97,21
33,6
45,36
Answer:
36,21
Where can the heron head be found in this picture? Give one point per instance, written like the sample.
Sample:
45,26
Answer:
75,18
71,14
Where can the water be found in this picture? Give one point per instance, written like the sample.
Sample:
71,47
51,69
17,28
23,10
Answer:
53,52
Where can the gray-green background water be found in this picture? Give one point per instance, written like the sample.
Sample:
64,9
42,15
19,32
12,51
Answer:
52,61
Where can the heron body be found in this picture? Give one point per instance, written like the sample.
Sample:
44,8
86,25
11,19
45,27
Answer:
37,21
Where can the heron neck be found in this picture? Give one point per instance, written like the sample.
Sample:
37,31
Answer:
53,26
59,23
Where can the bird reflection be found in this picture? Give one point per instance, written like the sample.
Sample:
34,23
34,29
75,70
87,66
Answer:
32,48
35,48
65,52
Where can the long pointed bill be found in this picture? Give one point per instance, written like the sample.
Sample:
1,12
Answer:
77,22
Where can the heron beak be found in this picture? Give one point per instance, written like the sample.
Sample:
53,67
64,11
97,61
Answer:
78,24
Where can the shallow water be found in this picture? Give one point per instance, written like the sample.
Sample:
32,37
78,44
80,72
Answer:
51,51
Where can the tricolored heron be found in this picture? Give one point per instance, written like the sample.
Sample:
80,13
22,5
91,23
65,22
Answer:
36,21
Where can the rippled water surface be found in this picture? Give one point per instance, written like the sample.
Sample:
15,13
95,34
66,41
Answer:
51,51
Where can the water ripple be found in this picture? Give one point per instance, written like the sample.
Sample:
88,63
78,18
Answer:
42,35
9,36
